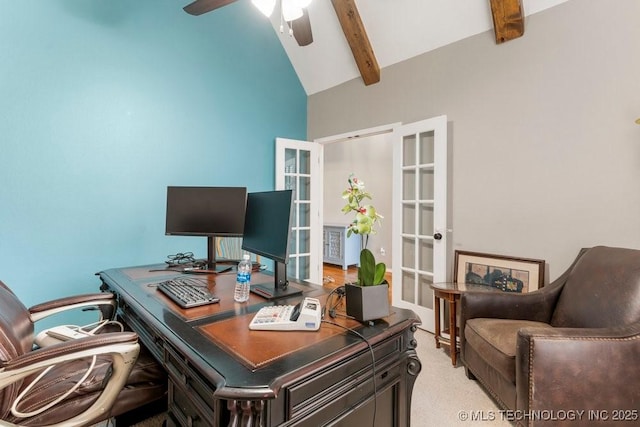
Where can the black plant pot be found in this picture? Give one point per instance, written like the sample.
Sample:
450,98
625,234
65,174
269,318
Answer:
366,303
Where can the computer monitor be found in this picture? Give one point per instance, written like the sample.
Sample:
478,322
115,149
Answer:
267,226
206,211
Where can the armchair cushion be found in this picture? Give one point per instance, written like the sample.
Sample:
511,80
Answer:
495,341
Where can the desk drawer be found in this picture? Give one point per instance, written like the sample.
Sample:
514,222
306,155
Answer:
326,395
352,403
200,405
186,410
333,377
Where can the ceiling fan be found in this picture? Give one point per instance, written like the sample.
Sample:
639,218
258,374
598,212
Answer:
291,11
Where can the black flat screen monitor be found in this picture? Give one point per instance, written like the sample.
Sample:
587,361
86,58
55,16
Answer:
206,211
267,226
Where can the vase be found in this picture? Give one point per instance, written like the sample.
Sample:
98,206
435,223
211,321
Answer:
365,303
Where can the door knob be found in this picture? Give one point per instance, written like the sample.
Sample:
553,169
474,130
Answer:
437,236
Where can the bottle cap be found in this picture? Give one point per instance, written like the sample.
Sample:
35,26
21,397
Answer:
246,256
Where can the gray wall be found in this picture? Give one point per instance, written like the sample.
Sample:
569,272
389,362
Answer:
546,155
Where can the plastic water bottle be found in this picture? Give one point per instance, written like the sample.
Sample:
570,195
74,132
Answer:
243,280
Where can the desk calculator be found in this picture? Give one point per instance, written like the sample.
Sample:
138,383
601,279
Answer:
304,316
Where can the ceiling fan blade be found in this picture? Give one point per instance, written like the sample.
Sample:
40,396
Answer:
199,7
302,29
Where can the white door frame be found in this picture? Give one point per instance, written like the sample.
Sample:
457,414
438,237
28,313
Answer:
440,265
344,137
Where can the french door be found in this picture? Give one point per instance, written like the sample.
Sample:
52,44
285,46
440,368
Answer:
420,215
299,168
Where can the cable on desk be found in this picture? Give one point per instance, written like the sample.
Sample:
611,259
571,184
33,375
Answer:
373,362
180,259
340,291
185,260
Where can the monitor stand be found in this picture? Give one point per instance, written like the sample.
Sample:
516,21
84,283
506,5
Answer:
212,266
271,292
279,288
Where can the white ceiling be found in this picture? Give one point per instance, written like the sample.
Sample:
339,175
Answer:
397,30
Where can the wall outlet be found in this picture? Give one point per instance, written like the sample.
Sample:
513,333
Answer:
383,252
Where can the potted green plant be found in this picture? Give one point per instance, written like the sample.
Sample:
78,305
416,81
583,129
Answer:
368,298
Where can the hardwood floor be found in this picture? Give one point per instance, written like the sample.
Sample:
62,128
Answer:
334,276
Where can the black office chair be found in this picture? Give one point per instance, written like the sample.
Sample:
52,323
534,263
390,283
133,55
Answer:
71,382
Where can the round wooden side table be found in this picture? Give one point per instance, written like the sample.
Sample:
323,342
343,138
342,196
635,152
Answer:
450,292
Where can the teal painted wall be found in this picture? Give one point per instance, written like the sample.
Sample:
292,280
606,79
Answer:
103,104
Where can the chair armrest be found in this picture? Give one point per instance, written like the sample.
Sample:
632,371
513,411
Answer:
72,349
578,369
122,348
106,301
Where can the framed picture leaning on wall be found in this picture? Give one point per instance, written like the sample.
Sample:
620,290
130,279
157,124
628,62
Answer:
509,274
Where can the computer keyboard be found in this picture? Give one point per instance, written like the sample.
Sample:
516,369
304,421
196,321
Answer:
187,293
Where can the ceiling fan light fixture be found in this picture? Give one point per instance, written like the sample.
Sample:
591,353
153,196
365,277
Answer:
265,6
290,10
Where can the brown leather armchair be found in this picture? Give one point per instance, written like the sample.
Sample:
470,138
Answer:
113,375
573,345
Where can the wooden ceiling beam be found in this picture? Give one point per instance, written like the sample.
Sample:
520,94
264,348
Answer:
508,19
358,40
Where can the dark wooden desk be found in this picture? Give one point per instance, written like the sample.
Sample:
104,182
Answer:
221,373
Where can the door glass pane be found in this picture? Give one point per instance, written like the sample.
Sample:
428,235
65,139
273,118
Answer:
290,160
408,287
293,239
304,192
426,184
425,260
304,261
292,268
305,162
409,150
304,245
409,185
408,219
425,220
425,293
290,183
426,147
304,214
294,217
408,252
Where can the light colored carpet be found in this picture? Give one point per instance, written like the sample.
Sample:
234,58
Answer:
442,394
